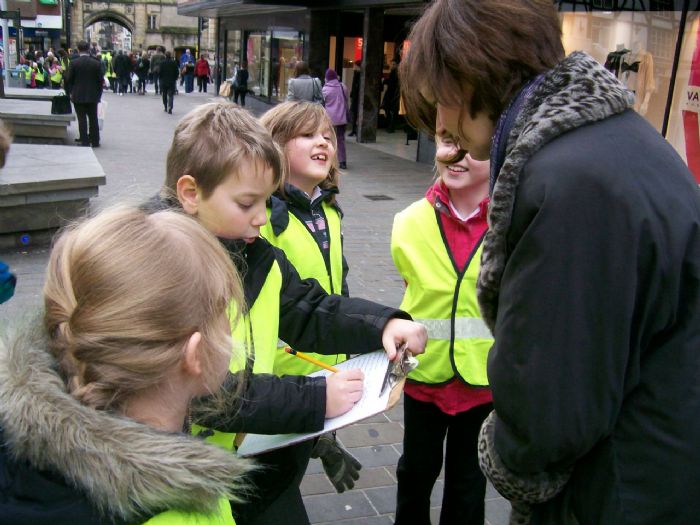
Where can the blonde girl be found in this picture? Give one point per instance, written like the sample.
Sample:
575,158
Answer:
94,405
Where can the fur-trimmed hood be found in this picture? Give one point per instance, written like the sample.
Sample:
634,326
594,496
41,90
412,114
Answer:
576,92
126,470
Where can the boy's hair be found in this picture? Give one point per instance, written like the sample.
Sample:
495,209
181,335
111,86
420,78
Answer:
495,47
290,120
124,292
212,140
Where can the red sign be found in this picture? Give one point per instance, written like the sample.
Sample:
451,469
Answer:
691,108
358,50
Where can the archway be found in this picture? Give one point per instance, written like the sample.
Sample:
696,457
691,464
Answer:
109,29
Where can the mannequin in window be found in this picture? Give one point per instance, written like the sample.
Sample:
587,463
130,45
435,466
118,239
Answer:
616,58
638,74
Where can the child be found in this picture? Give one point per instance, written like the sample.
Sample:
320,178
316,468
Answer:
222,167
305,222
94,403
436,246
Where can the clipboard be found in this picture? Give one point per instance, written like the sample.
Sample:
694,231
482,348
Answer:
376,367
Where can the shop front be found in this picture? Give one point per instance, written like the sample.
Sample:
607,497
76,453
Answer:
652,47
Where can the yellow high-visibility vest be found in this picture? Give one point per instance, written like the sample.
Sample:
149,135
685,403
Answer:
255,338
304,253
441,298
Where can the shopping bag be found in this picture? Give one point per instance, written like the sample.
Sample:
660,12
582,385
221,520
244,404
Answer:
225,89
60,104
101,109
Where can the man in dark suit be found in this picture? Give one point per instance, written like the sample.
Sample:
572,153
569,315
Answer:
169,72
84,81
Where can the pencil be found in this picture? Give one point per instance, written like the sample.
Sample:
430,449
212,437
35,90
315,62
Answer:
310,359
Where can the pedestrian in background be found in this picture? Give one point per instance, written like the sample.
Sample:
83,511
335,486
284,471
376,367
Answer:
590,273
156,61
390,102
336,99
355,96
240,83
303,86
84,81
169,72
436,247
143,66
202,71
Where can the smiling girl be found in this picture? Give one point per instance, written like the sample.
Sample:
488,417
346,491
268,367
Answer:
436,246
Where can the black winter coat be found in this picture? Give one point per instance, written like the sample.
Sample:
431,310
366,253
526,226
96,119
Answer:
169,72
590,280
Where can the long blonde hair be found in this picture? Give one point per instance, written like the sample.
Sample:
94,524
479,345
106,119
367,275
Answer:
124,292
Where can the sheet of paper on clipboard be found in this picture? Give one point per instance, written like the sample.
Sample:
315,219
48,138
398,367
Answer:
376,367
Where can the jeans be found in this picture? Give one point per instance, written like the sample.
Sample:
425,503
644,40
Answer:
189,82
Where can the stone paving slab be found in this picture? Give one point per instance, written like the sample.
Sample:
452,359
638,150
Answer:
335,507
376,456
364,434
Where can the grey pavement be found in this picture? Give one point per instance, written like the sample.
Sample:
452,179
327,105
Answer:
378,183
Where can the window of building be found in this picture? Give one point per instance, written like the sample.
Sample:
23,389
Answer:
152,21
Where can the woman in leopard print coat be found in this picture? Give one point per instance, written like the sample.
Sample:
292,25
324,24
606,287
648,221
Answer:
590,278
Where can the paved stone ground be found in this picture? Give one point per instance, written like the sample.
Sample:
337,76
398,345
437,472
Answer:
135,140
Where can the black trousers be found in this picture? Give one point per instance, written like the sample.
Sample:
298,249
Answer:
87,113
465,486
276,498
240,93
202,83
168,91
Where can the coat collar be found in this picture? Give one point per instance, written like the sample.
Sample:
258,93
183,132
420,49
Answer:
294,198
125,469
576,92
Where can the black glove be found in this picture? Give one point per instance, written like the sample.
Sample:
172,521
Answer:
341,467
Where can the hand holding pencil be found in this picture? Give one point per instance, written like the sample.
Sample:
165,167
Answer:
343,388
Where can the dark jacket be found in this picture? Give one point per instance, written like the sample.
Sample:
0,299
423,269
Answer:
122,65
169,72
84,80
240,82
296,202
590,280
64,463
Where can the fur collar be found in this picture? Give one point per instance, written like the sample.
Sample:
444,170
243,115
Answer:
125,469
576,92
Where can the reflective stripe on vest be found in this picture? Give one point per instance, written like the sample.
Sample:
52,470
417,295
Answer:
303,252
222,516
262,323
441,298
465,328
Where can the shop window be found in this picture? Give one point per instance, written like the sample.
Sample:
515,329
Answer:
285,50
638,47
